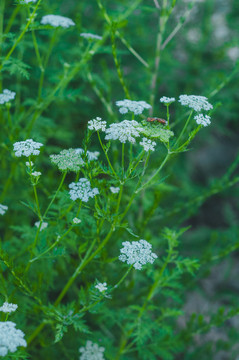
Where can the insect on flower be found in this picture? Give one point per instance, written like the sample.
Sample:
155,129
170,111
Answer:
155,119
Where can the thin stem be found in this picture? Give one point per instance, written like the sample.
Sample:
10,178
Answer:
56,193
184,128
2,6
154,175
161,27
21,35
12,18
59,238
117,64
122,162
106,155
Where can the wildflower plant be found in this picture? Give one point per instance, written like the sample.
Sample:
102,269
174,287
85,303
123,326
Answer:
96,186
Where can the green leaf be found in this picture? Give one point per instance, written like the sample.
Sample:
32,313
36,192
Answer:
156,131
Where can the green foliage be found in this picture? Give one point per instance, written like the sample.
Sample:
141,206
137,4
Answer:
65,274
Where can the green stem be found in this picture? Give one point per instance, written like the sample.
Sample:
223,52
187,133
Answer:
21,35
2,6
12,18
59,238
163,17
154,175
106,155
56,193
122,163
117,64
184,128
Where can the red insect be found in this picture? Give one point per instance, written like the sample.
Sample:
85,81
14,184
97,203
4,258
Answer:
154,119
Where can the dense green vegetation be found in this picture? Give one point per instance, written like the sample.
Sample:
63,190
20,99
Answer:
180,196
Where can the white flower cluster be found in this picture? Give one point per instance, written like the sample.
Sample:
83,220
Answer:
123,131
136,107
195,102
91,352
8,307
82,190
68,160
27,1
6,96
114,190
36,173
97,124
137,253
167,100
91,155
201,119
43,225
101,286
76,221
10,338
148,144
57,20
3,209
26,148
91,36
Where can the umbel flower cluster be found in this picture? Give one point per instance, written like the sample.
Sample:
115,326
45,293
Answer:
97,124
148,144
101,286
27,148
91,155
136,107
137,253
3,209
57,20
90,36
10,338
124,131
6,96
167,100
68,160
91,351
8,307
82,190
197,103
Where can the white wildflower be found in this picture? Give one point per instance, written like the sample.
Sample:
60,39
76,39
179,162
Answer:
3,209
233,53
26,148
57,20
27,1
97,124
29,163
91,155
137,253
10,338
114,190
8,307
82,190
43,225
91,351
91,36
6,96
68,160
36,173
101,286
195,102
202,119
76,221
137,107
167,100
123,131
148,144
